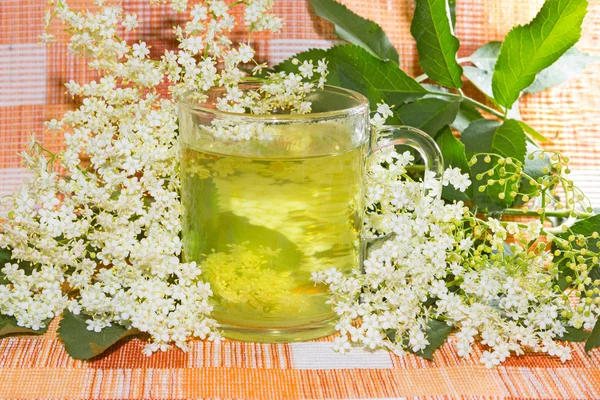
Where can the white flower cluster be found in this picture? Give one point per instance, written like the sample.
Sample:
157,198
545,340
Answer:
102,237
433,263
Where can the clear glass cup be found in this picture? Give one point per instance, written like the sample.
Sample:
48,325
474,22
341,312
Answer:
262,213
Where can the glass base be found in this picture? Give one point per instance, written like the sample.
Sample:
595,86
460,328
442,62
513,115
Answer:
277,334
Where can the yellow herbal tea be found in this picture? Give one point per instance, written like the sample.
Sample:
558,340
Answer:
260,226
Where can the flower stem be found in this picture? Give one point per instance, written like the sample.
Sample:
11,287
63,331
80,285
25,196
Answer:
563,214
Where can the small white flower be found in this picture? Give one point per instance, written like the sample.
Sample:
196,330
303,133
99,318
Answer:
130,22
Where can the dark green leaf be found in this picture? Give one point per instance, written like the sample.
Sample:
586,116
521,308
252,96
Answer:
509,140
486,56
570,65
488,136
454,155
355,29
6,257
594,340
353,66
530,48
467,113
429,115
585,227
452,150
9,326
478,137
436,43
534,168
83,344
575,335
437,333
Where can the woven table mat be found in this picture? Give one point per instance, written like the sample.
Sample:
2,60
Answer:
32,90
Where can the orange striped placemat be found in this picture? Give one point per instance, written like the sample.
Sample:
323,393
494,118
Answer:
31,91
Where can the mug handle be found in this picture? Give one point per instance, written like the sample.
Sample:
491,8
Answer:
393,135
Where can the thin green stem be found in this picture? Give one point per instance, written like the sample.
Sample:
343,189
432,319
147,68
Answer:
560,214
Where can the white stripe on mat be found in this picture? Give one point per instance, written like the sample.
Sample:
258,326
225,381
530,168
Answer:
320,355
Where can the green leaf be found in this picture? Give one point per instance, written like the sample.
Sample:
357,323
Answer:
478,137
437,333
430,114
594,340
356,30
9,326
533,168
6,257
436,43
530,48
353,67
454,155
575,335
507,140
467,113
83,344
570,65
486,56
482,80
585,227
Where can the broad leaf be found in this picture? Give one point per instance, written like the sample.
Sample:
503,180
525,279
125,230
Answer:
454,155
354,67
534,168
436,43
478,137
467,113
507,140
585,227
356,30
429,115
575,335
437,333
488,136
83,344
570,65
530,48
594,340
9,326
486,56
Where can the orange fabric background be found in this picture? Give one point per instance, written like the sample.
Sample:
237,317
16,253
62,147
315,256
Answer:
31,91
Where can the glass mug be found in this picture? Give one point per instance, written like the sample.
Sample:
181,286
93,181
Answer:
260,215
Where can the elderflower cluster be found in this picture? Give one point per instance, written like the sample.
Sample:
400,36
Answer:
433,266
101,236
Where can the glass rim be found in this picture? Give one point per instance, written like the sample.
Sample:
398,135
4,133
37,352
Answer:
361,103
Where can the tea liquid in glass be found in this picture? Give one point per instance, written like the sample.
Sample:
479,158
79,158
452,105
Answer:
259,227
